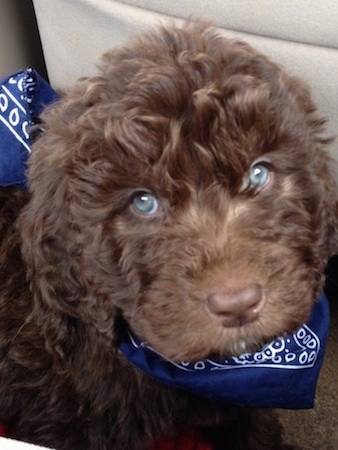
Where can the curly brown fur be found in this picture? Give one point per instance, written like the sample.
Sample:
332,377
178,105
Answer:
183,116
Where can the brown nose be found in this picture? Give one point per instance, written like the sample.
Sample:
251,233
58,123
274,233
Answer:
236,308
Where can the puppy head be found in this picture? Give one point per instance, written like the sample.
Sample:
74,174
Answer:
187,188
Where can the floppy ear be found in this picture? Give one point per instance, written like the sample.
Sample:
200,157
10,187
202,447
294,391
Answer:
61,227
325,171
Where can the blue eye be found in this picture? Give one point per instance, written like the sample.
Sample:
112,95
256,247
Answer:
259,176
145,203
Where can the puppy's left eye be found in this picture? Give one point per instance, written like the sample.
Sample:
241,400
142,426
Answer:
259,176
145,203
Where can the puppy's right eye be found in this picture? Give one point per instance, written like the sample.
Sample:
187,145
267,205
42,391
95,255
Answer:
145,203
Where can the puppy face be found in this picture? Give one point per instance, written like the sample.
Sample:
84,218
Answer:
185,188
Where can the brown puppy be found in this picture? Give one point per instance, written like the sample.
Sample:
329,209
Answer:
185,189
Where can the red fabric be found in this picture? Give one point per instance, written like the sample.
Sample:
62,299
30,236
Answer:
188,441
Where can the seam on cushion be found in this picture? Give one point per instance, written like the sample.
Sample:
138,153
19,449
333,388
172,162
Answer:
235,30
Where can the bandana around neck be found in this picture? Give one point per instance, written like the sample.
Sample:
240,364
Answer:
283,374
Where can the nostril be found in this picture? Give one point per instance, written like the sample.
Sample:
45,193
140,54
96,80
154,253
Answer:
236,308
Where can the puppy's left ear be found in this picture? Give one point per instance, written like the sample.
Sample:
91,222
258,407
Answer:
326,169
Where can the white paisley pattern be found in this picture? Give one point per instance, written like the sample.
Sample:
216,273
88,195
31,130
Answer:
18,93
297,351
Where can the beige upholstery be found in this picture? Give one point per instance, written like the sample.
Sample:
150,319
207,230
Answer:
302,35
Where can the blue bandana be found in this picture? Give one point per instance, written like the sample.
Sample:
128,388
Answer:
22,98
283,374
